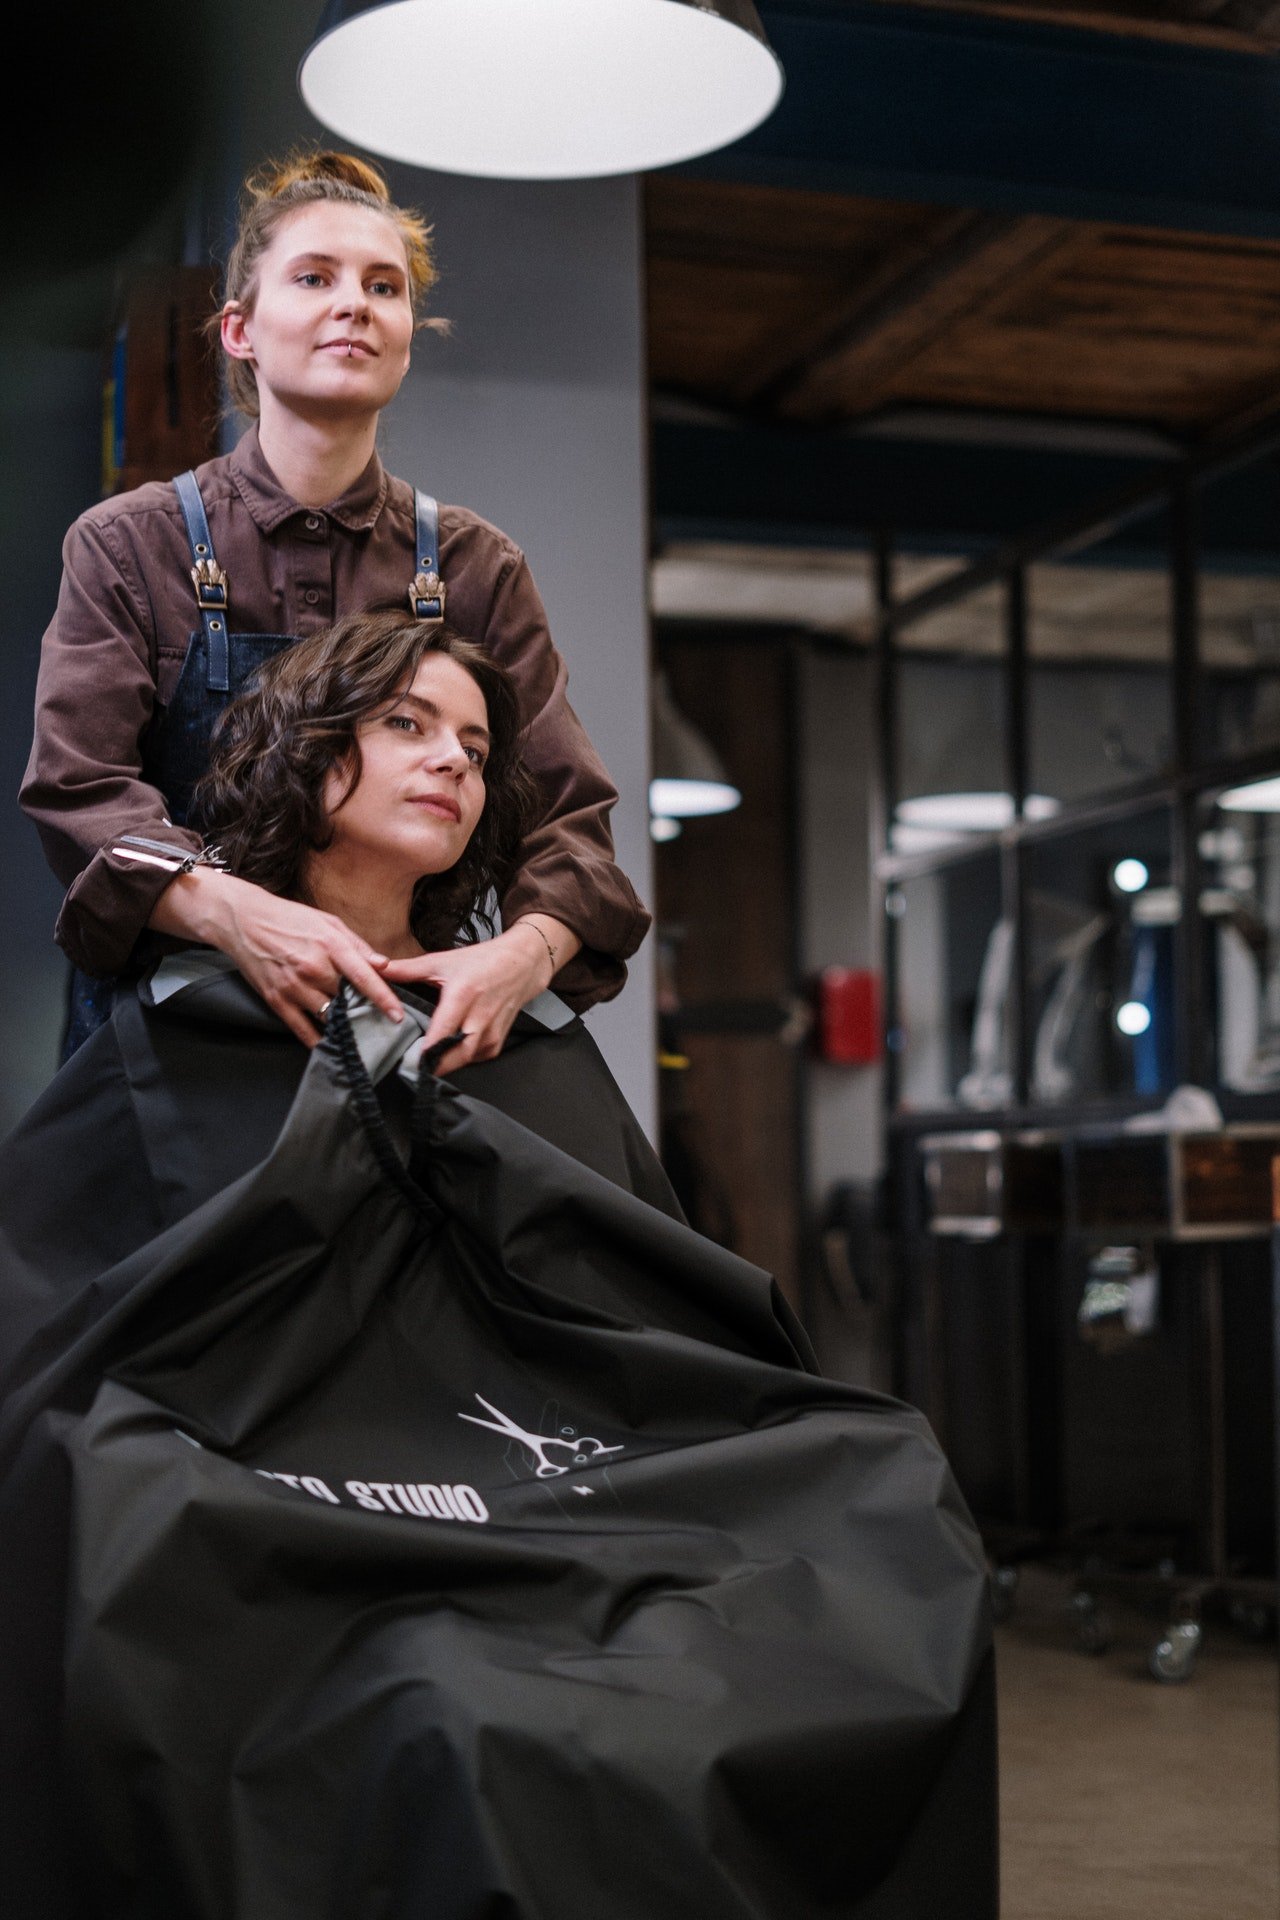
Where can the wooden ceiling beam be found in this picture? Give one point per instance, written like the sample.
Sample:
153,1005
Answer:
709,249
1242,413
792,349
776,231
1231,26
902,309
1250,16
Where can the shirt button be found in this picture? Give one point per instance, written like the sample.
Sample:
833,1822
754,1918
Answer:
311,596
314,523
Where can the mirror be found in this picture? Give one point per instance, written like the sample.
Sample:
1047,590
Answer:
1101,913
1239,846
1239,594
1099,664
950,749
1103,1384
955,955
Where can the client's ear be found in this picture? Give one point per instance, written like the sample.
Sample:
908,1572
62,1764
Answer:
340,782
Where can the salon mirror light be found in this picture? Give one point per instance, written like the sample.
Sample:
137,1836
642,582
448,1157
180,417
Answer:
1130,875
929,822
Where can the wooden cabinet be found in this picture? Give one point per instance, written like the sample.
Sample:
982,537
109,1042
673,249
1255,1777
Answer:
1176,1186
981,1184
1118,1182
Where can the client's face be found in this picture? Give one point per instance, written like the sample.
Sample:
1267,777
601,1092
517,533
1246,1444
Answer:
421,787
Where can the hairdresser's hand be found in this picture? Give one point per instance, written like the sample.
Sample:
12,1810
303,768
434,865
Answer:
483,987
294,956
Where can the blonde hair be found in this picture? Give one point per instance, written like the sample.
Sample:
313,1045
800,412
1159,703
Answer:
277,189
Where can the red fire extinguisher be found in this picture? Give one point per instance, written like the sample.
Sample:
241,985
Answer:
847,1029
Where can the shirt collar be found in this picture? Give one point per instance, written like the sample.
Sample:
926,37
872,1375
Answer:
270,506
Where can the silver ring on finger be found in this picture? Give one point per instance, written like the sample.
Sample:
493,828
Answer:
322,1012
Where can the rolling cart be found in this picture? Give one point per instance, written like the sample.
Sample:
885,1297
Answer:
1123,1209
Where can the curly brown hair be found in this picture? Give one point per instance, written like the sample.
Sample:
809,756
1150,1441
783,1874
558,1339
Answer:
262,798
277,189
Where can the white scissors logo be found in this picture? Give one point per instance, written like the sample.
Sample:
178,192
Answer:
581,1447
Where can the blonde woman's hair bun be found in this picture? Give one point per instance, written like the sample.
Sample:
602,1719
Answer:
321,163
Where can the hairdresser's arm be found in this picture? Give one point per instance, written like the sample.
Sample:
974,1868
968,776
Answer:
84,787
293,955
565,870
483,987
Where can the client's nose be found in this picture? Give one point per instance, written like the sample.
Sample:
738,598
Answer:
448,755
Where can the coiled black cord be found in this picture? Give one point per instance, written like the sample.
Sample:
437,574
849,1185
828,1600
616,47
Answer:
369,1112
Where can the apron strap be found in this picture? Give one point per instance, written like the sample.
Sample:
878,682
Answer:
209,580
426,595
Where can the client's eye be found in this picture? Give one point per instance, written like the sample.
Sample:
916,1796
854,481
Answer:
402,720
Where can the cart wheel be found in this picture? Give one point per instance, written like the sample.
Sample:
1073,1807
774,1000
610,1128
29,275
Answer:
1094,1632
1174,1657
1004,1591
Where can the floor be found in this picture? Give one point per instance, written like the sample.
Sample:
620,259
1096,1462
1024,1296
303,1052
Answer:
1124,1796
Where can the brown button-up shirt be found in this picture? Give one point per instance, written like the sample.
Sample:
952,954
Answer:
125,616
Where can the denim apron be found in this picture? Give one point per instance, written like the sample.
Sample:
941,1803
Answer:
218,665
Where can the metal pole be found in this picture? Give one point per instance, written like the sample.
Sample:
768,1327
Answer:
1192,1048
887,718
1013,890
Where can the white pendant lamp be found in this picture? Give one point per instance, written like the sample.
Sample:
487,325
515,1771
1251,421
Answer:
540,89
689,778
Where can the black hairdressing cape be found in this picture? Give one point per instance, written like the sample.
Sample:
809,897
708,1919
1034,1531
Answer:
408,1515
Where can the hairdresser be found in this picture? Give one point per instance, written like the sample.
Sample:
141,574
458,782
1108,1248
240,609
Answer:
173,593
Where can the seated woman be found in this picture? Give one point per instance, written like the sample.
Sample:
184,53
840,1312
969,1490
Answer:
335,783
402,1512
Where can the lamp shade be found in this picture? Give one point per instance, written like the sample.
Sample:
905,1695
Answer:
1260,796
540,89
689,777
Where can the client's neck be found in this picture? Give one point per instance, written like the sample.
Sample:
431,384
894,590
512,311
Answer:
371,904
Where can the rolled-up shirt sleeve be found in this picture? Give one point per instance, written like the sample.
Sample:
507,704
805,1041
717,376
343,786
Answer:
566,865
83,787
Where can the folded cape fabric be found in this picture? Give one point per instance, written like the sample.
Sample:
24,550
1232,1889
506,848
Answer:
421,1523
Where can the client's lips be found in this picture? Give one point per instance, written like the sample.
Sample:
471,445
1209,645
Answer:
442,803
345,347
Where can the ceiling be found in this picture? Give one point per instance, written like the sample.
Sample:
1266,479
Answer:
1249,26
1075,278
826,310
